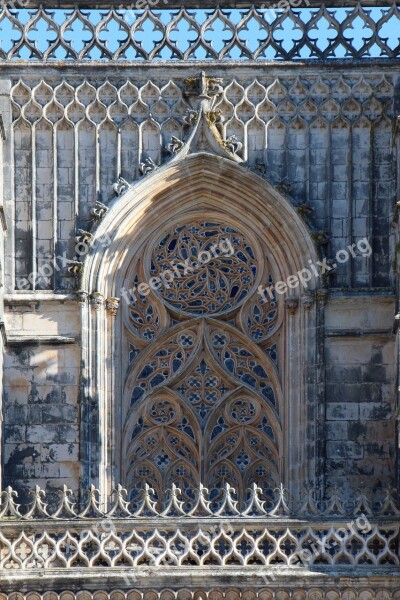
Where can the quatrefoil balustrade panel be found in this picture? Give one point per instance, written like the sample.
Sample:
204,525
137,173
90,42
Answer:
324,32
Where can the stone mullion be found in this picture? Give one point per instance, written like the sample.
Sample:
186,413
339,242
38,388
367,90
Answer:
99,387
321,398
361,277
328,205
371,200
307,163
97,150
110,342
55,196
383,199
350,206
76,173
396,328
119,151
339,190
290,416
8,190
85,409
307,470
33,207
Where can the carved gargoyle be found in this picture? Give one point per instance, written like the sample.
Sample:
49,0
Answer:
98,211
121,186
175,145
148,166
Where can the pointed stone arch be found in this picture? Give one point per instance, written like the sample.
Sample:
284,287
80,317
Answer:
194,186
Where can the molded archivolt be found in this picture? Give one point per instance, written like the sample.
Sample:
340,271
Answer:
199,369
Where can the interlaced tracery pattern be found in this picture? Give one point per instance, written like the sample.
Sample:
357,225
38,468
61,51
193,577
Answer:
164,362
203,387
262,318
214,267
284,34
164,447
289,126
144,318
202,400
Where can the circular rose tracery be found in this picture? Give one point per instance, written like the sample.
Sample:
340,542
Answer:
204,267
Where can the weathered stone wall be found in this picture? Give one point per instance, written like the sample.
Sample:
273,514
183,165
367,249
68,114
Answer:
360,393
324,139
41,397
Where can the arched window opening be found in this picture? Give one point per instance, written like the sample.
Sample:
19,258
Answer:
202,391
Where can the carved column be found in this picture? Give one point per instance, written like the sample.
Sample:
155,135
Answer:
98,387
292,392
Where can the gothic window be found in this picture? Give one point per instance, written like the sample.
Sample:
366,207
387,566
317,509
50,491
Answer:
202,389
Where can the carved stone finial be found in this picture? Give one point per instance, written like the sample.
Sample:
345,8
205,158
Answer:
191,117
281,507
38,507
260,167
148,505
256,504
121,186
175,505
232,145
229,506
214,117
66,505
92,508
321,238
97,300
202,505
120,507
112,305
292,305
148,166
304,210
98,211
175,145
84,237
8,506
203,87
75,267
283,186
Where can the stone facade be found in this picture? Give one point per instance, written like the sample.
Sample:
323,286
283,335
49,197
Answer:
112,172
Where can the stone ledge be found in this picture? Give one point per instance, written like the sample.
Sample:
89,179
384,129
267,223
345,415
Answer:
50,340
364,589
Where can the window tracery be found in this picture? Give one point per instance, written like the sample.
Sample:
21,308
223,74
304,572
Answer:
213,268
202,395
